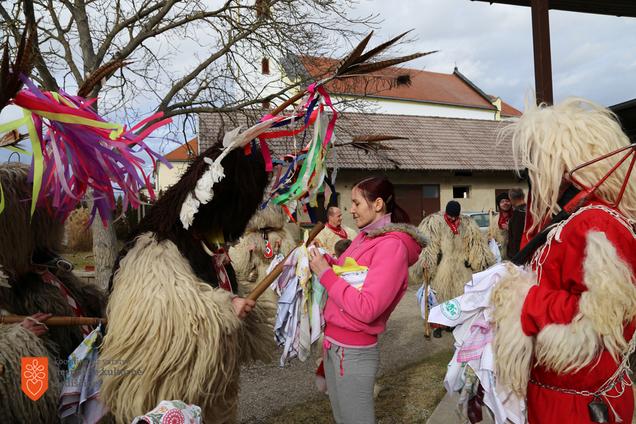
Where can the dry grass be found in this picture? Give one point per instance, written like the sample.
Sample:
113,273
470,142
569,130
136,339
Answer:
408,396
80,259
79,235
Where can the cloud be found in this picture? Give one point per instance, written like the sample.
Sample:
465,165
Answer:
592,55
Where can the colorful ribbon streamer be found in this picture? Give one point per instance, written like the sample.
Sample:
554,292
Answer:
75,150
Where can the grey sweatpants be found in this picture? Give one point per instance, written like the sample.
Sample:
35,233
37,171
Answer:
350,375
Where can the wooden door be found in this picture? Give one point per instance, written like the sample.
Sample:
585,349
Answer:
430,199
409,197
418,200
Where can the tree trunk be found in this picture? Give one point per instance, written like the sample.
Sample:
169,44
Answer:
104,249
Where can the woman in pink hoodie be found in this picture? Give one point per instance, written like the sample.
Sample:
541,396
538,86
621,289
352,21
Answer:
387,245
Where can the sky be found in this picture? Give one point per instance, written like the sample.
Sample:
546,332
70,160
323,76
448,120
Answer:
593,56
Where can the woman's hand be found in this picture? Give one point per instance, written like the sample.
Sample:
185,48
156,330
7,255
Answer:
35,325
317,261
242,306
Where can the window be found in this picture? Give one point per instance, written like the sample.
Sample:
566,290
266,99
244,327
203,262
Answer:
481,219
430,191
265,66
461,192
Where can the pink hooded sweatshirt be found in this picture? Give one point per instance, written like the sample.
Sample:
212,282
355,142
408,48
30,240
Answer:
355,318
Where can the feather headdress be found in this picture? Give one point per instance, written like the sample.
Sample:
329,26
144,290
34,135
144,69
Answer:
305,175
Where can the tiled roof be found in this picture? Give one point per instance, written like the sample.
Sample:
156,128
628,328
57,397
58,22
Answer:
185,152
432,143
430,87
508,110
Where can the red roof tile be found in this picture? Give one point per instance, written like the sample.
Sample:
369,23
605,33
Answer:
185,152
507,110
430,87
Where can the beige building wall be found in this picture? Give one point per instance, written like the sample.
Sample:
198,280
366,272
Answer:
166,177
481,185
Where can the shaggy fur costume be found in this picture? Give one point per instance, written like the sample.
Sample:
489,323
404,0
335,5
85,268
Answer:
328,238
447,255
168,320
248,256
16,407
20,233
189,346
24,293
500,235
584,306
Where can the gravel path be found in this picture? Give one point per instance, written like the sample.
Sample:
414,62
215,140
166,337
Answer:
267,389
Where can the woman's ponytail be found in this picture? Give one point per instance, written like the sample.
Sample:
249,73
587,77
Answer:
381,187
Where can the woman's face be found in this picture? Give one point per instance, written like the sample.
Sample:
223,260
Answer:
364,212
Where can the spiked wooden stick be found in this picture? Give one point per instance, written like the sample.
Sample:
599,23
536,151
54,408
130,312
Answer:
427,325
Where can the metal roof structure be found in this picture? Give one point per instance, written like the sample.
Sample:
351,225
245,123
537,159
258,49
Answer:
541,31
599,7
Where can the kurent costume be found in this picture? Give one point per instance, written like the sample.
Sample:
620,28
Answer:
452,255
564,331
265,238
498,227
330,235
35,279
170,311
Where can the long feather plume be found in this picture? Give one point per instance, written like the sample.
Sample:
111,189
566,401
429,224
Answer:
99,74
366,68
354,56
358,62
10,82
379,49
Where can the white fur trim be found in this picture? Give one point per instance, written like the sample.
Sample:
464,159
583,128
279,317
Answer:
203,192
189,208
610,300
512,348
230,137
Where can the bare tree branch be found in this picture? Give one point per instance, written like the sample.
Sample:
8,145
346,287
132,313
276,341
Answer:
46,78
60,38
83,29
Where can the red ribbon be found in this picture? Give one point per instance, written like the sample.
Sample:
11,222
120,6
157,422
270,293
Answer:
504,217
453,223
339,231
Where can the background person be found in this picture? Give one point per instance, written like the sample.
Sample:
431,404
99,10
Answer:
456,250
334,231
517,221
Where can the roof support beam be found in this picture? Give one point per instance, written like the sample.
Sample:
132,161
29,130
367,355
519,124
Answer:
542,56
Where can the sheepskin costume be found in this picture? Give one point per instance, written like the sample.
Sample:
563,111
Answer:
564,330
328,239
451,259
499,234
266,229
23,291
168,318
